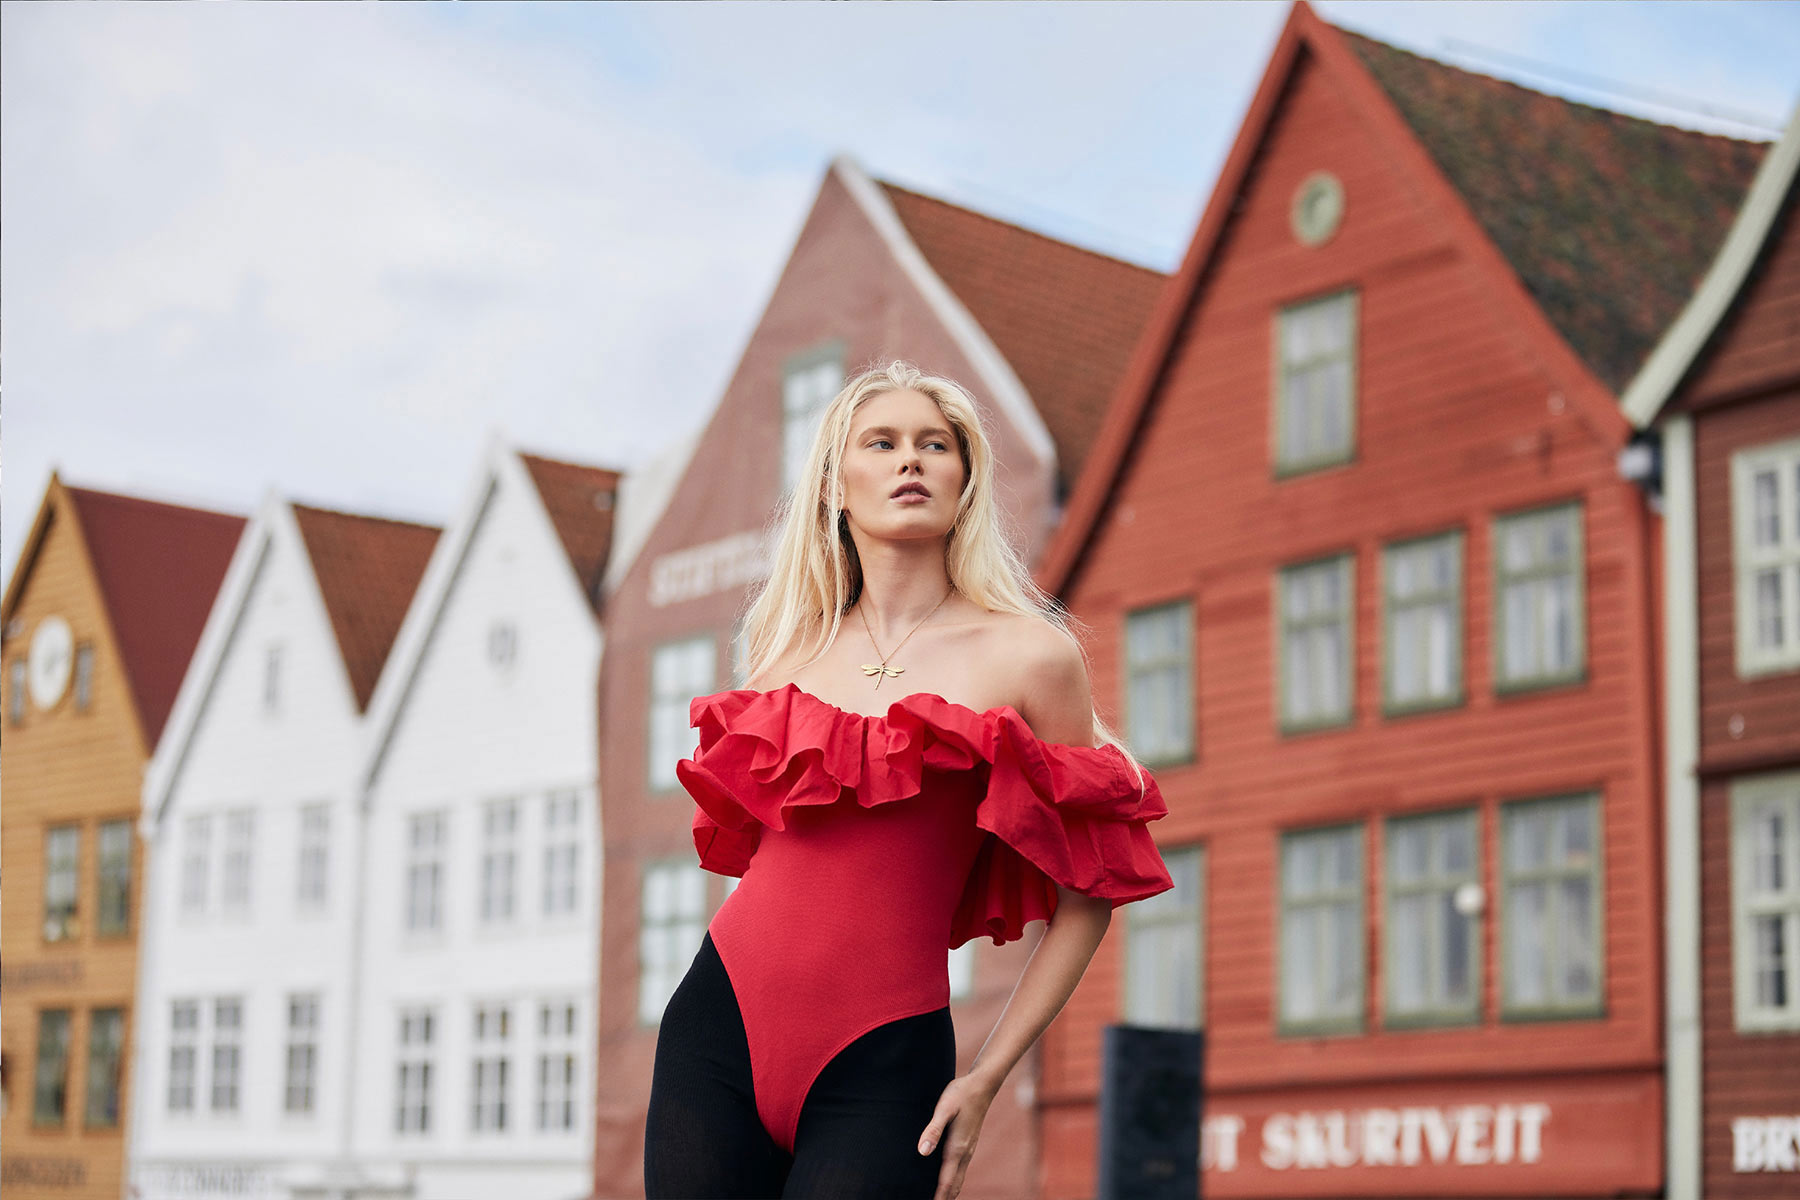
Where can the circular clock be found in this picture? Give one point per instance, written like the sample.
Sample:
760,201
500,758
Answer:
1318,208
52,657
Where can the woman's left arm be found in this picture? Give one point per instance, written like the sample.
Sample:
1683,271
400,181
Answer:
1061,710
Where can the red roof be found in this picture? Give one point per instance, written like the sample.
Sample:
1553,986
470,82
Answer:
581,501
368,569
159,567
1064,318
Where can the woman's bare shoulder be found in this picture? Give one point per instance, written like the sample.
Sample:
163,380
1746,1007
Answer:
1047,673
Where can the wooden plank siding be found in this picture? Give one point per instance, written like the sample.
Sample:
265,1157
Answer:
1460,416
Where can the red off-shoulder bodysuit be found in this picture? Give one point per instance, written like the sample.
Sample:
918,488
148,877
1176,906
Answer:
869,846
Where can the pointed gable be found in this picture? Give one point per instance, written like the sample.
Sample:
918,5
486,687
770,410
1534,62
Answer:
368,569
159,567
581,501
1065,318
1609,221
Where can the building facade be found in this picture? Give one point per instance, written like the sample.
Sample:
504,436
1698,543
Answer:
1371,597
103,608
1721,397
1038,331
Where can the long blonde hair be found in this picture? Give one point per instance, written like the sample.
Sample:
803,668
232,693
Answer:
816,575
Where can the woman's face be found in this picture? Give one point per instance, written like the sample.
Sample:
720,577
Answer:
902,471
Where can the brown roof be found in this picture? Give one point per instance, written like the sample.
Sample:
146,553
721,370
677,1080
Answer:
581,502
368,569
1065,318
1608,220
159,567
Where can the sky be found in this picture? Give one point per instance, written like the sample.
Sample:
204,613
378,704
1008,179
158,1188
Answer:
331,249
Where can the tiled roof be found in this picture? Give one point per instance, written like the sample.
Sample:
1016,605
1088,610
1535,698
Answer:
1065,318
159,567
581,502
368,569
1608,220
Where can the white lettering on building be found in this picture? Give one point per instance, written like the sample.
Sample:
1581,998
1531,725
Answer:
1467,1135
707,568
1765,1144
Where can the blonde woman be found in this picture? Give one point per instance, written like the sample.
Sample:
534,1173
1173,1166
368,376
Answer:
915,763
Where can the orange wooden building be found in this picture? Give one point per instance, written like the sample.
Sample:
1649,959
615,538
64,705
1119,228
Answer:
104,606
1369,593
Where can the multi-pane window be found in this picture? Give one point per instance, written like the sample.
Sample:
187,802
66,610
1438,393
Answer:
1165,956
499,860
15,691
1432,942
1765,518
300,1089
184,1054
1550,919
84,676
1316,605
1315,411
1322,929
1159,682
1541,635
196,862
1422,583
962,970
62,872
312,872
679,671
674,923
1765,895
562,852
112,879
412,1103
493,1035
425,838
234,877
559,1061
105,1067
227,1052
50,1085
807,386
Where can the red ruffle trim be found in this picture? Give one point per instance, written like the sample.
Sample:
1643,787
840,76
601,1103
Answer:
1058,814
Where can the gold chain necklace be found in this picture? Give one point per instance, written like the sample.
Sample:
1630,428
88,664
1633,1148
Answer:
883,671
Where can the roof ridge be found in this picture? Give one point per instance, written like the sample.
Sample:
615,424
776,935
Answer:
1597,109
1025,229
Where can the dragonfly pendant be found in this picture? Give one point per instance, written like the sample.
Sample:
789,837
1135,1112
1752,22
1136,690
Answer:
881,671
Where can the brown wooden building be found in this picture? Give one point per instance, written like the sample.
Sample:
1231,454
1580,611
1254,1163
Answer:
1370,594
1038,331
101,614
1722,397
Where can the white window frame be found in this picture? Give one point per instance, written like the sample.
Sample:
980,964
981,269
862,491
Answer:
676,677
427,843
196,863
1314,457
49,1084
1289,629
1429,601
1512,877
490,1068
1160,738
1437,887
809,381
237,872
225,1077
413,1070
500,819
562,853
1780,794
559,1067
112,878
1159,931
300,1085
102,1100
671,926
1539,675
312,872
1749,561
183,1092
1317,904
62,883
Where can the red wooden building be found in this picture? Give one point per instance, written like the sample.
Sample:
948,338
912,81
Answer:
1039,331
1722,393
1370,594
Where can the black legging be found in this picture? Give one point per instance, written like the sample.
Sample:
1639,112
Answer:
859,1126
